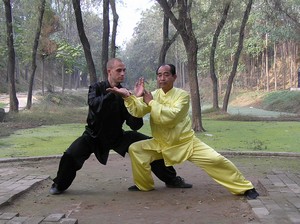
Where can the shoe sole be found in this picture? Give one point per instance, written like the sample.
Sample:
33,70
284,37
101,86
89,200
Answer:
172,186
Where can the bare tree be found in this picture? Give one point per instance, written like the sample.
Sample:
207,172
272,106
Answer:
105,37
167,41
13,100
113,47
34,52
213,75
237,55
84,41
183,25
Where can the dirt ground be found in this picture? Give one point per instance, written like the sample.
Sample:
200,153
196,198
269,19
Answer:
99,195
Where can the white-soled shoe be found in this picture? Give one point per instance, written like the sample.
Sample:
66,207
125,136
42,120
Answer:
53,190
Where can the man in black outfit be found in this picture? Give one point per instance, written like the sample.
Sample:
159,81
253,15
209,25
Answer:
103,132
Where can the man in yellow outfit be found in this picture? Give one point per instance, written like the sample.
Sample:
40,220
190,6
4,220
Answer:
173,137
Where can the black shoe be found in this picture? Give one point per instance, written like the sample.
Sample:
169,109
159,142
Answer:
178,182
54,190
251,194
133,188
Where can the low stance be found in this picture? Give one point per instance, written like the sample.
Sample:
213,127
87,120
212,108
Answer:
104,132
173,140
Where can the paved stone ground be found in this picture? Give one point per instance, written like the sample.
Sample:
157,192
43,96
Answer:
11,186
280,205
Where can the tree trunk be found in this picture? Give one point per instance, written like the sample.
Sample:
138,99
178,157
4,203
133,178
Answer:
183,25
105,37
34,52
13,100
236,56
84,41
194,87
267,65
213,75
77,78
17,70
63,78
275,71
113,47
284,64
167,42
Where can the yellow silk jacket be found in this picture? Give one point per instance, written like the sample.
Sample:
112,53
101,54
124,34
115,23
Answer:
170,122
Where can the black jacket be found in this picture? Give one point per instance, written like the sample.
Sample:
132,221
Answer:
106,116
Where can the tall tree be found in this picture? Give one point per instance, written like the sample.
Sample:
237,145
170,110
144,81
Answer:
237,55
105,37
84,41
113,46
34,53
167,41
13,100
213,75
183,25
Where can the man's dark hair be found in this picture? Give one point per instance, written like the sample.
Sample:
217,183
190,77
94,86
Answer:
172,68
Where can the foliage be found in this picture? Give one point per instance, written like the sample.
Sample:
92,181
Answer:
151,85
25,21
278,19
143,49
71,56
93,28
2,105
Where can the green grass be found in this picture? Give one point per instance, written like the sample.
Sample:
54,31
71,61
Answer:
41,141
282,101
58,121
221,135
271,136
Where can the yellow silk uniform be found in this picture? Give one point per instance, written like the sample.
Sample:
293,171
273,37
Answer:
174,141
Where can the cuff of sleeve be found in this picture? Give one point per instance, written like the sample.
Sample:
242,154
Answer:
151,102
128,98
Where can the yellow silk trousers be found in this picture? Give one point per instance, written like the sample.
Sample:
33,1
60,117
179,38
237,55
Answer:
222,170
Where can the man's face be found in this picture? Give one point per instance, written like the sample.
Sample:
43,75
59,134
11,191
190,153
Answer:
117,72
165,79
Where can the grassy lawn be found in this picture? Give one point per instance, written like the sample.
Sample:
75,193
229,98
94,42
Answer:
252,136
52,125
221,135
267,136
41,141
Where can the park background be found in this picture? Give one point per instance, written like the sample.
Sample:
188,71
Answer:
264,106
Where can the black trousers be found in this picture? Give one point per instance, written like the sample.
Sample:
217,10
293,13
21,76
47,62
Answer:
81,149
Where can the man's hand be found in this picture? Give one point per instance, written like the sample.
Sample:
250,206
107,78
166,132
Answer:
120,91
139,87
147,97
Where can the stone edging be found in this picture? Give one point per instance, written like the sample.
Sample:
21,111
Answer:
224,153
261,154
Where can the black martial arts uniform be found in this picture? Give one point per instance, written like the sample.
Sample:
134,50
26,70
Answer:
104,132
